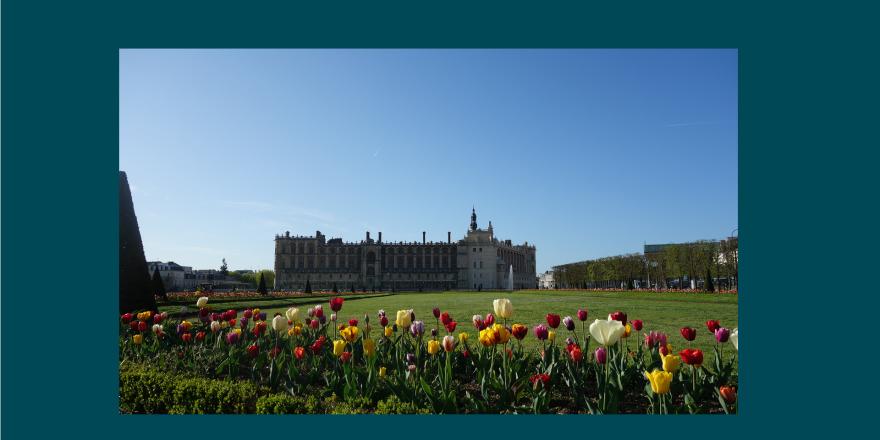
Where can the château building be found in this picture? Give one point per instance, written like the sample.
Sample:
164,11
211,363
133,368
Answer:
477,261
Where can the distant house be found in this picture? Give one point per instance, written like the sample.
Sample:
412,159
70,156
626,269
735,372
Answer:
545,280
179,278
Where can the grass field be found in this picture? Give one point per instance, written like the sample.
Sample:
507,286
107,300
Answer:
666,312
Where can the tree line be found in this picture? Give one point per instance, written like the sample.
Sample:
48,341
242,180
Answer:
701,265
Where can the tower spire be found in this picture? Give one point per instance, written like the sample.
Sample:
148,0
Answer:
473,219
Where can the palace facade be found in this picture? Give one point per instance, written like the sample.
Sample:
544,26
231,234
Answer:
477,261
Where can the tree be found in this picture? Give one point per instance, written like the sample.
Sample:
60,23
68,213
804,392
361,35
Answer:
262,287
710,285
352,288
135,291
308,286
159,285
335,290
224,269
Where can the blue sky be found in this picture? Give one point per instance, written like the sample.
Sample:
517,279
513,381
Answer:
586,153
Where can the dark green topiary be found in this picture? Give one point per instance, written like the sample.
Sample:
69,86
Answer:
262,288
159,286
308,287
135,286
710,285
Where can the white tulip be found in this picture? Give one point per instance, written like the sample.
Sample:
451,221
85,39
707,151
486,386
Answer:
279,324
734,338
157,328
202,302
503,308
292,314
215,326
607,332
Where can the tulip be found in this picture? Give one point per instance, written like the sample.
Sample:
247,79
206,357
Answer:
417,328
569,341
383,321
157,318
279,324
345,356
637,325
576,354
722,334
186,338
448,343
465,354
490,320
232,338
607,332
314,324
488,337
664,350
552,320
445,318
728,394
262,316
126,318
157,328
333,317
410,358
292,314
433,347
503,334
311,312
202,302
350,334
582,314
712,325
381,313
541,332
450,326
568,323
618,316
319,311
336,304
411,368
200,336
369,347
133,325
670,363
383,371
551,335
463,337
692,356
366,320
338,347
479,324
601,355
232,314
253,350
688,333
627,330
503,308
734,338
353,322
137,339
403,318
519,331
215,326
244,322
660,381
388,332
436,312
433,332
540,380
412,315
216,317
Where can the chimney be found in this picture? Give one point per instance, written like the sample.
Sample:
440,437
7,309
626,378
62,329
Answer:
423,237
380,236
368,236
449,237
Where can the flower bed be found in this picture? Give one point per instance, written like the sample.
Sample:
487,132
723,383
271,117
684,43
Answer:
613,365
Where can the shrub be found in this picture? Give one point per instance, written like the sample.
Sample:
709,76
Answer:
393,405
287,404
147,391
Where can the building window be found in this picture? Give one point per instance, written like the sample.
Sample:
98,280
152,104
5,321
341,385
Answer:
481,264
475,249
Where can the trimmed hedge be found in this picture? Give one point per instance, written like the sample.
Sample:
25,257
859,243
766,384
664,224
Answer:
144,390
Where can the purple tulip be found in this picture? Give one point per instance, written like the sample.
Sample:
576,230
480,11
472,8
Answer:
601,355
661,339
722,334
569,341
417,328
323,319
410,358
180,329
568,323
244,321
262,316
433,332
541,332
231,338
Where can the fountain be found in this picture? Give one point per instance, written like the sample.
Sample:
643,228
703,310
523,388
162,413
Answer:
510,279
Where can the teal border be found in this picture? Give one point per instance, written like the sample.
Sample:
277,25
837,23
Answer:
59,190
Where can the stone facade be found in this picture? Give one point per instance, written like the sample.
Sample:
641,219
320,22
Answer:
479,260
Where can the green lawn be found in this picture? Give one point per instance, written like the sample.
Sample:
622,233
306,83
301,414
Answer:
666,312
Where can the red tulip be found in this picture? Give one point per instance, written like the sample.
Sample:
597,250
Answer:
336,304
275,352
133,325
728,393
126,318
253,350
319,311
232,314
490,320
582,314
345,356
540,380
519,331
299,352
383,320
712,325
232,323
553,320
142,326
576,354
692,356
618,316
353,322
314,324
450,326
689,333
186,337
157,318
248,313
445,318
465,354
200,336
637,325
436,312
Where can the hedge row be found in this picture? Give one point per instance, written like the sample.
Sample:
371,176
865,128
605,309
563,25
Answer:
153,392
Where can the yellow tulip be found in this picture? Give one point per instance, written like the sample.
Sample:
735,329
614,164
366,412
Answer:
551,336
349,333
338,347
369,347
382,371
462,337
502,334
670,363
433,346
404,318
137,339
660,381
627,330
388,332
238,330
488,337
297,330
